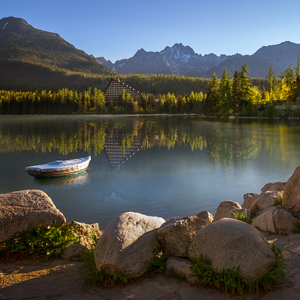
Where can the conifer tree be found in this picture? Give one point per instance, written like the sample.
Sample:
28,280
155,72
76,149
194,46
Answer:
245,83
212,98
225,105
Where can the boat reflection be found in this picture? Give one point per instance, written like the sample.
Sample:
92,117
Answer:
79,178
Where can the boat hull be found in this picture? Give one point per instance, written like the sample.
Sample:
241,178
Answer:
59,168
55,173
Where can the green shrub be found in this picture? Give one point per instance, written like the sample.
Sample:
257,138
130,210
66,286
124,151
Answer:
40,242
230,281
279,201
297,227
158,261
244,217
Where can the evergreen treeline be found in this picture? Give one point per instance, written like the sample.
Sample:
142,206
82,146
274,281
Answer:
230,95
65,101
237,94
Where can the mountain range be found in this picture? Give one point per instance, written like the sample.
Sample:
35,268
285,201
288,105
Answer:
31,56
183,60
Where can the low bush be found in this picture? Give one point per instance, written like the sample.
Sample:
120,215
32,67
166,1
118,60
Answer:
39,242
244,217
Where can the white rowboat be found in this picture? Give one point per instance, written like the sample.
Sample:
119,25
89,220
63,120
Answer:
59,167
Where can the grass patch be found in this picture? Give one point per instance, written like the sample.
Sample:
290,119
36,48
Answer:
297,227
244,216
38,242
95,277
230,281
279,201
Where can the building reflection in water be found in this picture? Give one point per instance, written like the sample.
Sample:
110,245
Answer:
116,151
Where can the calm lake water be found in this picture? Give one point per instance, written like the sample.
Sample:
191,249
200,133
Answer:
159,166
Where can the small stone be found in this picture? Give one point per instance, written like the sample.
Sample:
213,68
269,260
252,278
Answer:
73,252
182,268
206,215
225,207
249,198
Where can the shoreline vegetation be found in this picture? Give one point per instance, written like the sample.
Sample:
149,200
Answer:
230,96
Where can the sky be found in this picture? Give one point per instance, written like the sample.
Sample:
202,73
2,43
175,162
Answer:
117,29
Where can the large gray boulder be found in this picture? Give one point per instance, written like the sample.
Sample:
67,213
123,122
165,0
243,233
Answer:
27,208
178,232
265,200
229,242
291,194
127,244
224,207
276,221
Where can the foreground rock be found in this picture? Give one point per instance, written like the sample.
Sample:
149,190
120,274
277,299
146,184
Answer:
206,215
127,244
291,194
228,243
224,208
274,186
178,232
28,208
276,221
85,232
265,200
249,198
182,268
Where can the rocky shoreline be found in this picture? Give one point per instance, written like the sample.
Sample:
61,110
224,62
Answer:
128,241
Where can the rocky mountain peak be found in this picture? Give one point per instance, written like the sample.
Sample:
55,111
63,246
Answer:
12,24
178,52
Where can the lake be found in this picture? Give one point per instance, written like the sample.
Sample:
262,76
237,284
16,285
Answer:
160,166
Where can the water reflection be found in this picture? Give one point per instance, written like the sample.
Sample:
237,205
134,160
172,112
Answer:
155,165
81,178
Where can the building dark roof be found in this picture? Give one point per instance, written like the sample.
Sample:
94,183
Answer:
115,88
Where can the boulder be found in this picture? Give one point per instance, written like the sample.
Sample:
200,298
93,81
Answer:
224,208
284,221
291,194
127,244
265,200
27,208
206,215
276,221
182,268
85,233
274,186
249,198
228,243
178,232
266,209
73,252
265,221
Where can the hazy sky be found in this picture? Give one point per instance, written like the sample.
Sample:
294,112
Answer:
117,29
